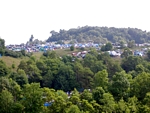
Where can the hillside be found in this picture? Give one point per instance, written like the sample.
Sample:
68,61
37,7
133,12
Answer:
101,34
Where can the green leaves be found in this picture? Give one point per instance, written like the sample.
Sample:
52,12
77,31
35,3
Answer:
101,79
4,70
120,85
32,94
140,85
6,101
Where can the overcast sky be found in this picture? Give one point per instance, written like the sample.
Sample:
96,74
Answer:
19,19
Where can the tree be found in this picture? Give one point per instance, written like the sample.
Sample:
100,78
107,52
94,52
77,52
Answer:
2,43
75,98
87,95
59,106
122,44
112,66
72,48
133,104
131,43
23,52
101,79
32,98
103,48
131,62
21,78
140,85
65,78
50,54
11,86
31,38
87,80
108,103
23,66
126,52
97,66
47,79
2,46
98,94
73,109
146,100
122,106
6,101
108,47
120,85
89,60
86,106
4,70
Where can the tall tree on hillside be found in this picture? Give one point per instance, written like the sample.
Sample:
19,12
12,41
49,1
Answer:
31,38
101,79
120,85
2,46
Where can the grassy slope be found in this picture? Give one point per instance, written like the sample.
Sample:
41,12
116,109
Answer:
10,60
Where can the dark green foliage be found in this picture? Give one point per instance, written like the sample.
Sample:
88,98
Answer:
148,55
4,70
23,52
2,51
126,52
106,47
16,54
72,48
50,54
65,78
2,46
13,53
101,35
130,63
98,94
140,85
120,85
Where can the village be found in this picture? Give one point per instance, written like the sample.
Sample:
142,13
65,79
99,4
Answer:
115,52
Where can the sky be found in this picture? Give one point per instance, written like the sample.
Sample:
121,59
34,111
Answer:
19,19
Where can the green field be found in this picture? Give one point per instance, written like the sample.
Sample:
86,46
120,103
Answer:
10,60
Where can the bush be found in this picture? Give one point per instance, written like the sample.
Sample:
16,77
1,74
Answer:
72,48
14,54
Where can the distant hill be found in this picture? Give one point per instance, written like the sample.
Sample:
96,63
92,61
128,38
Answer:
101,34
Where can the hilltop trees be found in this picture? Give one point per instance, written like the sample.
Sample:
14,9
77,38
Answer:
2,46
102,35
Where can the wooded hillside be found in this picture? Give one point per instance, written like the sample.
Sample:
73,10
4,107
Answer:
101,34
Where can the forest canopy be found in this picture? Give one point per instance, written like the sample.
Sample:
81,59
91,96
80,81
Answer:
101,34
